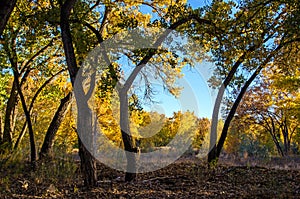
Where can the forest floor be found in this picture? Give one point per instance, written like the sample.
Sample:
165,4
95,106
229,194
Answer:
186,178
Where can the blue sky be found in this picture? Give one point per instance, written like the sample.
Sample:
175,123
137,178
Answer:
196,96
198,3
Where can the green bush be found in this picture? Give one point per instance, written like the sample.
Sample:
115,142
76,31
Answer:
253,147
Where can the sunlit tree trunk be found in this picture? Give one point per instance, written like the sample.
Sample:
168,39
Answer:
63,108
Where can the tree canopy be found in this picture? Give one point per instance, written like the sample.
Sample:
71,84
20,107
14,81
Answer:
253,45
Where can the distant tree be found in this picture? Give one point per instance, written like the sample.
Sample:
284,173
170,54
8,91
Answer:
274,108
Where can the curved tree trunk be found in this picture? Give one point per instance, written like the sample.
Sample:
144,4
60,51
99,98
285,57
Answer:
22,133
213,154
54,126
87,160
28,119
232,112
275,140
217,148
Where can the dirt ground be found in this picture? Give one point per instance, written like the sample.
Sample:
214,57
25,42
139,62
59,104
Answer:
186,178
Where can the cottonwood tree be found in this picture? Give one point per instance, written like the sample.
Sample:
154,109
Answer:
246,46
164,72
88,163
27,60
272,103
118,24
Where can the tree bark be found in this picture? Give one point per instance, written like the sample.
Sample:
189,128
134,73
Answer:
22,133
87,160
233,110
129,147
88,165
54,126
28,119
6,143
214,154
6,7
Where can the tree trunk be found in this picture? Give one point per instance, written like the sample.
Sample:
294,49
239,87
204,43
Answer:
6,7
215,153
233,110
86,129
277,144
129,147
54,126
22,133
28,119
6,143
285,133
85,132
88,164
212,154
